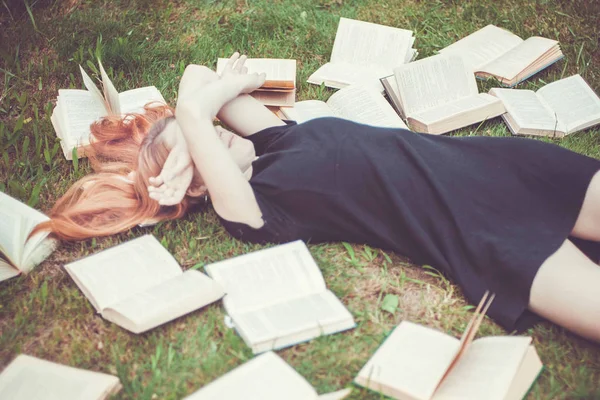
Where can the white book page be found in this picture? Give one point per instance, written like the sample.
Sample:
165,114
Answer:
276,69
134,100
268,276
164,302
91,87
433,81
575,103
364,105
7,271
266,377
485,370
79,110
525,107
114,274
306,110
337,395
412,361
28,378
110,93
483,46
459,107
338,75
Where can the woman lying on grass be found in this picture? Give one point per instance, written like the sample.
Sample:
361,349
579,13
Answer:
497,214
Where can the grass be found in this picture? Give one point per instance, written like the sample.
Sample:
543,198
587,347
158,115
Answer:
145,42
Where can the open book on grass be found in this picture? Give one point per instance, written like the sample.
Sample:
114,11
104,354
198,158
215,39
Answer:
279,88
496,52
277,297
18,254
558,109
362,104
438,95
363,52
138,285
30,378
265,377
77,109
420,363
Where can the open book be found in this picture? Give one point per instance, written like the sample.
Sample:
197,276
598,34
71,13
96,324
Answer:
17,253
28,378
362,104
138,285
363,52
438,95
558,109
420,363
277,297
496,52
77,109
266,377
279,88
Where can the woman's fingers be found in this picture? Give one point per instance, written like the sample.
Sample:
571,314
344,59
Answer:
239,65
231,62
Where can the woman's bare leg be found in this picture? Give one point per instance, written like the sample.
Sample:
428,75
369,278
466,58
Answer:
587,225
566,291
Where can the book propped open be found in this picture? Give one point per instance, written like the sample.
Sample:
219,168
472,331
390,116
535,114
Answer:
30,378
18,254
420,363
362,104
277,297
558,109
439,94
138,285
77,109
279,88
496,52
363,52
265,377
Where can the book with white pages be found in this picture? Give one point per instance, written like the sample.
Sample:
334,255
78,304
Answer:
362,104
20,253
277,297
558,109
138,284
363,52
265,377
31,378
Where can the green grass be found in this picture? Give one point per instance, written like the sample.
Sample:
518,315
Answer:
147,42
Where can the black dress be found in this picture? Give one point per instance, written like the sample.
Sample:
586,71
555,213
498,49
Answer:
485,211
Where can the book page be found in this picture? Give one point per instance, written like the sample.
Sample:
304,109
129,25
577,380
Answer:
110,93
528,371
268,276
337,395
266,377
276,69
134,100
433,81
306,110
79,110
411,362
483,46
92,88
458,108
341,74
114,274
525,107
164,302
7,271
575,103
29,378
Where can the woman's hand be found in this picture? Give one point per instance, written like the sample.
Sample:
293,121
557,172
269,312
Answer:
236,71
171,185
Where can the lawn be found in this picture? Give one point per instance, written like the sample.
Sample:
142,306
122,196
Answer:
147,42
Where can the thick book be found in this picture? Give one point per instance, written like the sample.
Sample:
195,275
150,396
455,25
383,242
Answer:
557,109
265,377
362,104
30,378
439,94
363,52
279,88
277,297
420,363
138,284
498,53
77,109
20,253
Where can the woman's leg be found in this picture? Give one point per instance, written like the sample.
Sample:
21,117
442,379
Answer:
587,225
566,291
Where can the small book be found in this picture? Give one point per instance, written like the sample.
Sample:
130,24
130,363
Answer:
77,109
277,297
420,363
362,104
20,253
279,88
363,52
498,53
265,377
30,378
557,109
138,285
438,94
